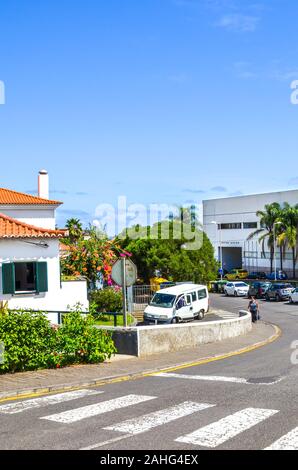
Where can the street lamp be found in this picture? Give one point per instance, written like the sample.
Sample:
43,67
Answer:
220,248
274,243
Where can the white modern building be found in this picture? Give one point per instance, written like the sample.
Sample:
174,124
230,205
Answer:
29,254
228,223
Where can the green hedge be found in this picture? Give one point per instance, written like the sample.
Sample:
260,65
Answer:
31,342
108,299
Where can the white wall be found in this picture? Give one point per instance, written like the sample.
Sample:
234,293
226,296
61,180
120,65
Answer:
43,217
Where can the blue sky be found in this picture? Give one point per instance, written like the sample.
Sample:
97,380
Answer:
162,101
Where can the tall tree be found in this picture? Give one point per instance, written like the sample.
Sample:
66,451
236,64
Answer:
173,257
75,230
289,235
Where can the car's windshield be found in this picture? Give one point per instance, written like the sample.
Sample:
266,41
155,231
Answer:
163,300
240,284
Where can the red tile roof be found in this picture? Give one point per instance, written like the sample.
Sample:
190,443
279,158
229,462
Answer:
7,196
12,228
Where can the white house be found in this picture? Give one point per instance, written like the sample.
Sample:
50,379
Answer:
229,221
29,254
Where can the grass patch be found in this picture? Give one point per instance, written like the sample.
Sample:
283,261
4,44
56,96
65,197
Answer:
108,320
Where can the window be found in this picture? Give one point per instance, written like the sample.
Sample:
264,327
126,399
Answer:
188,299
194,296
250,224
163,300
231,226
202,294
24,277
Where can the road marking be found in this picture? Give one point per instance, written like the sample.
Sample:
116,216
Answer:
221,431
77,414
216,378
158,418
287,442
202,377
20,406
151,420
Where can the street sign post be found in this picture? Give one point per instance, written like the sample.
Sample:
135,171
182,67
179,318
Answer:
124,273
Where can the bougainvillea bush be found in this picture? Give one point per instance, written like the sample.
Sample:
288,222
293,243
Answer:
91,255
31,342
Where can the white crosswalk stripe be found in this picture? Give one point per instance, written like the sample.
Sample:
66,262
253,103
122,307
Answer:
217,433
19,406
287,442
158,418
77,414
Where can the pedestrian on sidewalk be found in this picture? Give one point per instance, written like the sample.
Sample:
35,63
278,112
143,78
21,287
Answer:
253,307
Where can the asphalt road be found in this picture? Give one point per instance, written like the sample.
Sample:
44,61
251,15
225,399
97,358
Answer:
244,402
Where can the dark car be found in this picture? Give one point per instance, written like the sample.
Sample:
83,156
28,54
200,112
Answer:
257,275
258,289
279,291
280,276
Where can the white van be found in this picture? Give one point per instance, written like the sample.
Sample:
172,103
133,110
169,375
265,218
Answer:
179,303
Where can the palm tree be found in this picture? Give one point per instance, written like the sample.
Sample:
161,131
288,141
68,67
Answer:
268,218
75,230
289,236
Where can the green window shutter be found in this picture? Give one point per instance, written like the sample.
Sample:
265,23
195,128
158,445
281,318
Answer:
42,276
8,278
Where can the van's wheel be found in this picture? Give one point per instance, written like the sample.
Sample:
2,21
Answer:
201,315
175,320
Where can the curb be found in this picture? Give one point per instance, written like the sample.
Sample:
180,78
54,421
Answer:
39,391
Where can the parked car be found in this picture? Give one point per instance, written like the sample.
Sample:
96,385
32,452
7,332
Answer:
280,276
293,297
258,289
257,275
279,291
179,303
236,288
236,274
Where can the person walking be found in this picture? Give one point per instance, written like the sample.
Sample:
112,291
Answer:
253,307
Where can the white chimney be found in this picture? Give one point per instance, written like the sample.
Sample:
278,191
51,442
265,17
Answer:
43,184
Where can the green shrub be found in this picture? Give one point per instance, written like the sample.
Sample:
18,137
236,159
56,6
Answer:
107,300
27,338
78,341
32,343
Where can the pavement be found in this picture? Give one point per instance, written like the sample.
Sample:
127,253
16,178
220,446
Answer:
123,368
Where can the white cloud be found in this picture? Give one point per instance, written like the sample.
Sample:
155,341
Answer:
239,23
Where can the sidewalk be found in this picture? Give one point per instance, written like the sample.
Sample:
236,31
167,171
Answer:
127,367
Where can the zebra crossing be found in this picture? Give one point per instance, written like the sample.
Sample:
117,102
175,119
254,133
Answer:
211,435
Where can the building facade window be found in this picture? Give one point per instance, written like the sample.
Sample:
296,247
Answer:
231,226
250,224
25,277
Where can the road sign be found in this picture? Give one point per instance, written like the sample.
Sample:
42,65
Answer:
130,272
124,273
